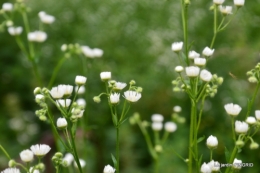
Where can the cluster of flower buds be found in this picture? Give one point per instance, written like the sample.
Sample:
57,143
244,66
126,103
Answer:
226,10
254,74
176,117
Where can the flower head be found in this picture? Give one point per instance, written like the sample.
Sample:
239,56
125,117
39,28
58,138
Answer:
214,166
157,118
80,80
225,10
109,169
207,51
205,168
14,31
105,76
97,52
26,155
239,3
257,114
80,90
132,96
7,6
64,102
212,142
66,88
218,2
119,86
170,127
232,109
193,54
241,127
250,120
40,149
178,69
46,18
157,126
192,71
81,102
11,170
205,75
92,53
37,36
237,164
62,123
177,46
199,61
57,92
114,98
68,159
32,170
82,163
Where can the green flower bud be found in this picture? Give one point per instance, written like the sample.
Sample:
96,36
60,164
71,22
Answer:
139,89
132,82
252,79
97,99
240,143
158,148
37,90
11,163
249,73
254,145
43,118
220,80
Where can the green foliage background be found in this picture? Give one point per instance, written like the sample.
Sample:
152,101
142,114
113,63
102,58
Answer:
136,36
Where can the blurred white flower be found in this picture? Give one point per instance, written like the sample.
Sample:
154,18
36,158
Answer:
232,109
250,120
80,80
257,114
199,61
64,102
11,170
109,169
214,166
62,123
178,69
114,98
157,126
26,155
40,149
105,76
239,3
97,52
68,159
157,118
64,47
177,109
237,164
207,51
7,6
193,54
80,90
170,127
177,46
119,86
34,170
225,10
132,96
81,102
37,36
66,88
205,75
57,92
241,127
92,53
14,31
205,168
192,71
218,2
82,163
46,18
212,142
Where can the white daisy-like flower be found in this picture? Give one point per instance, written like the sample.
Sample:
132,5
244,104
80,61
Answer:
199,61
97,52
57,92
241,127
68,158
225,10
214,166
178,69
212,142
46,18
157,118
40,149
237,164
62,123
193,54
205,75
119,86
257,114
114,98
192,71
66,88
207,51
87,51
80,80
232,109
239,3
170,127
26,155
14,31
81,102
105,76
109,169
218,2
82,163
157,126
64,102
11,170
177,46
132,96
205,168
7,6
37,36
250,120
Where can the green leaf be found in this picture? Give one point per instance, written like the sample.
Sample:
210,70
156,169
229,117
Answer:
200,139
114,160
227,154
123,121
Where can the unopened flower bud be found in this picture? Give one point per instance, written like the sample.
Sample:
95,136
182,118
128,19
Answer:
254,145
97,99
240,143
252,79
37,90
43,118
212,142
132,82
158,148
11,163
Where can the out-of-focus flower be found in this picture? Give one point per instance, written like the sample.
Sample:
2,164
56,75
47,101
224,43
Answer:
177,109
214,166
200,61
225,10
241,127
34,170
178,69
26,155
40,149
205,168
157,118
105,76
239,3
66,88
132,96
68,159
37,36
92,53
193,54
207,51
257,114
232,109
46,18
64,102
57,92
205,75
80,90
250,120
119,86
82,163
157,126
218,2
14,31
97,52
80,80
177,46
212,142
11,170
7,6
237,164
192,71
109,169
81,102
114,98
170,127
62,123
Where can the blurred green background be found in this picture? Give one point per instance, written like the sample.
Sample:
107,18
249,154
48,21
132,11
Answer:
136,36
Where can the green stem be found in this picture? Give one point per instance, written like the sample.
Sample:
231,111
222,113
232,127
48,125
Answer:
185,29
117,149
251,102
156,165
215,25
211,154
200,113
55,72
5,152
232,157
36,72
233,129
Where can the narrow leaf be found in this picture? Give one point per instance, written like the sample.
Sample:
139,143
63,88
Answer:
200,139
227,154
114,160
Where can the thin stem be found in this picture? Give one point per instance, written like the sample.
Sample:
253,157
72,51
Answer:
232,157
55,71
5,152
200,113
117,149
185,28
211,154
191,138
251,102
215,25
156,165
233,129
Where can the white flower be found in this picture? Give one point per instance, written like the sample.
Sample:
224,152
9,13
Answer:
80,90
205,168
170,127
212,142
68,159
205,75
193,54
57,92
177,46
46,18
132,96
39,97
37,36
237,164
214,166
66,88
105,76
81,162
157,118
109,169
97,52
40,149
7,6
34,170
178,69
241,127
200,61
207,51
26,155
257,114
239,3
78,113
177,109
157,126
250,120
11,170
114,98
119,85
62,123
225,9
15,30
64,102
81,102
218,2
192,71
80,80
63,47
87,51
232,109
